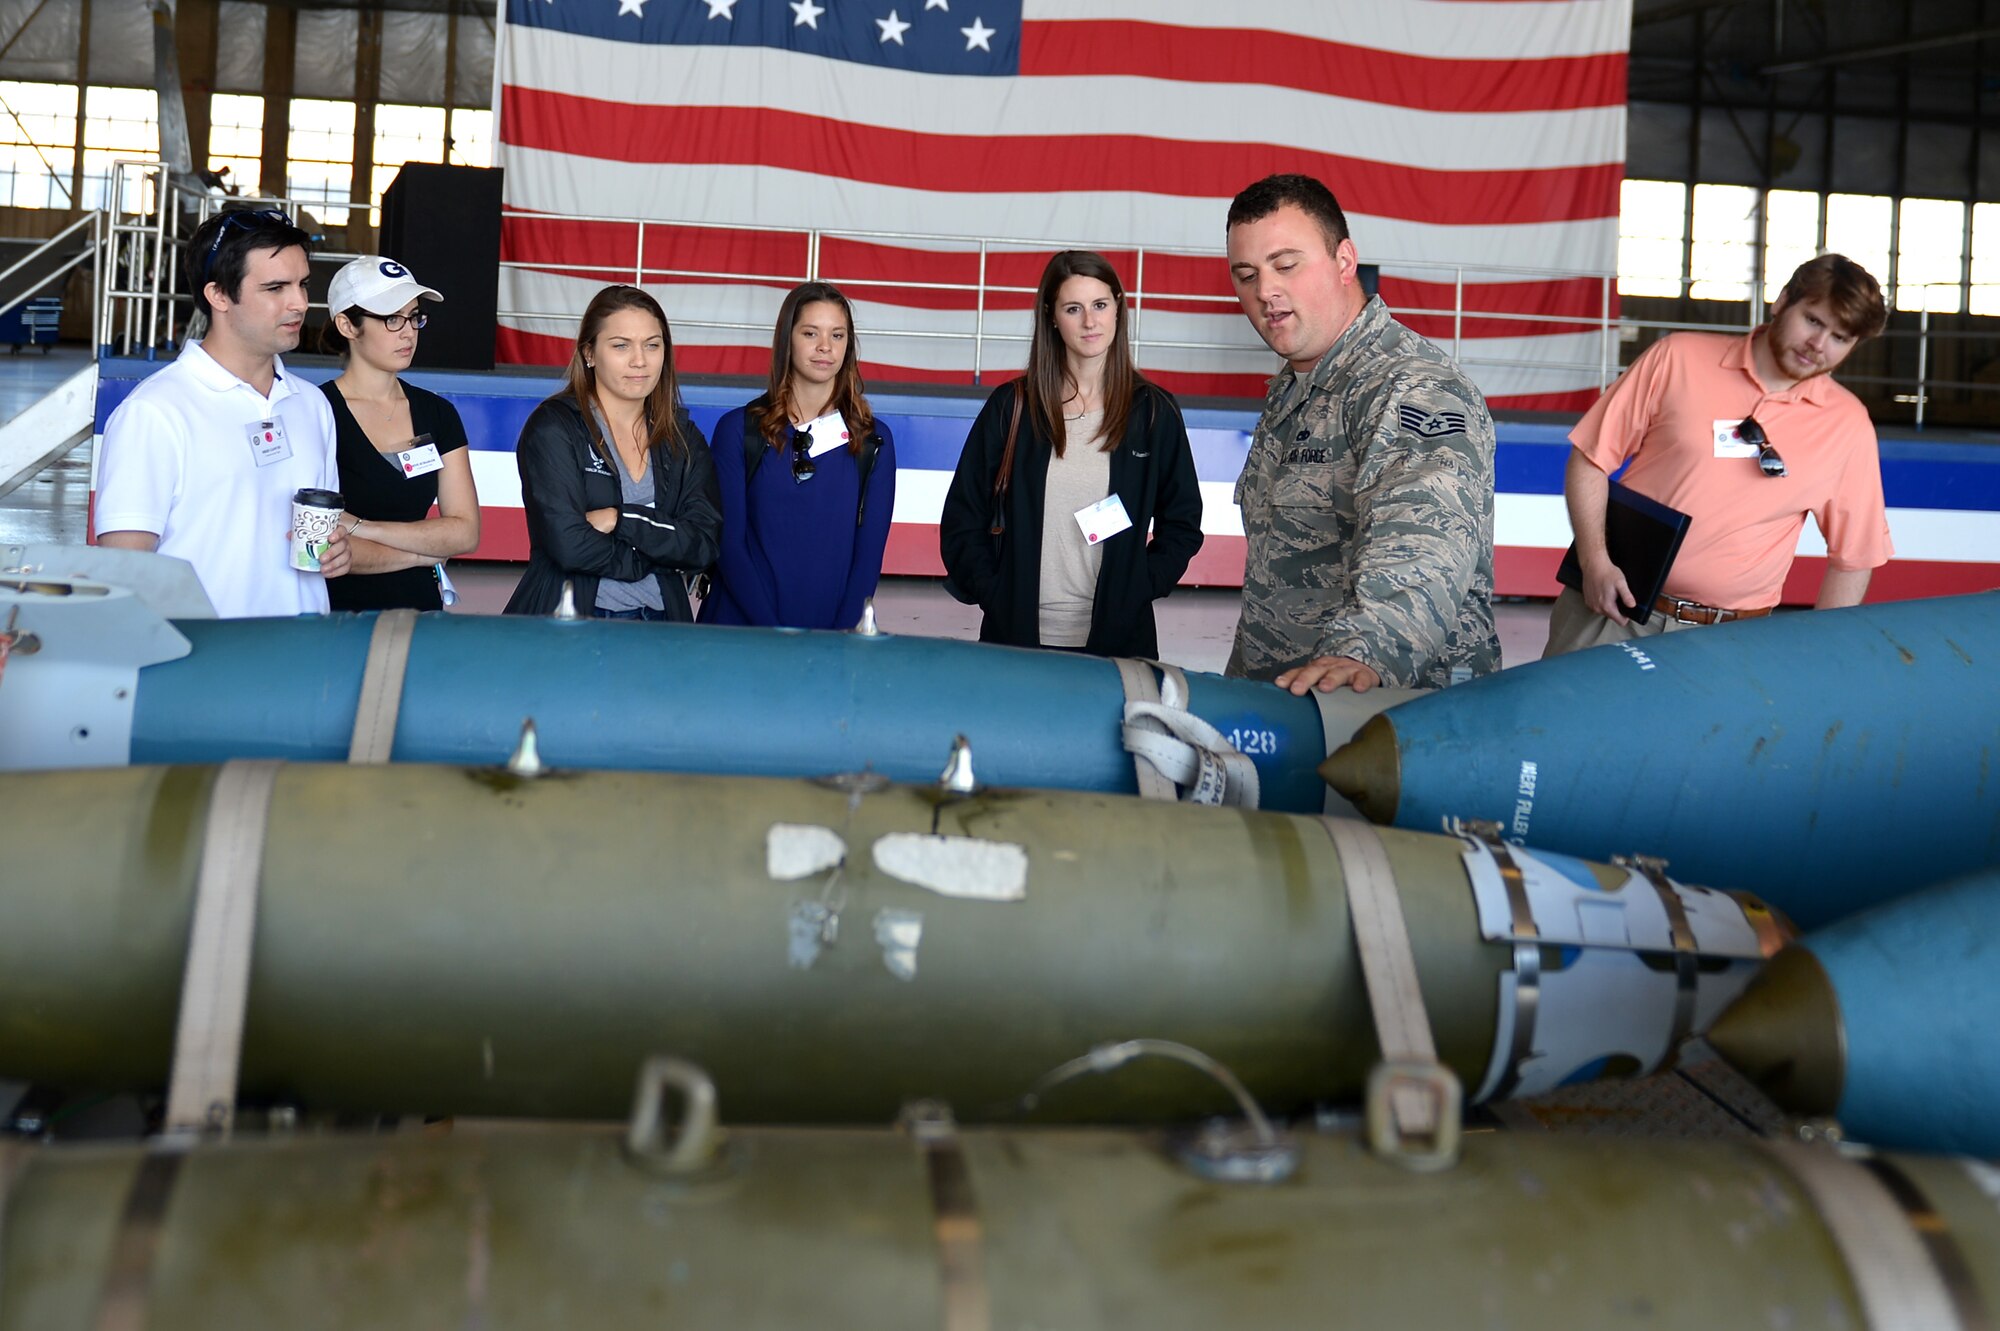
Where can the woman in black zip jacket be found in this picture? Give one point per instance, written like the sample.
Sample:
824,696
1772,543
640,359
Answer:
618,484
1100,455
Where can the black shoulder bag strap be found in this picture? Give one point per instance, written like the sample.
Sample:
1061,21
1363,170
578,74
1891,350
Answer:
864,463
1004,478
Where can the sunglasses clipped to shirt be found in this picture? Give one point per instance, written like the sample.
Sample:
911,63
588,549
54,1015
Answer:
1751,433
240,219
803,467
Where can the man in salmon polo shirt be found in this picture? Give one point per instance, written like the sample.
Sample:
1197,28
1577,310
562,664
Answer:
1746,434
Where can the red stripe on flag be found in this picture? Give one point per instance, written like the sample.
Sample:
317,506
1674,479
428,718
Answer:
1027,164
1097,48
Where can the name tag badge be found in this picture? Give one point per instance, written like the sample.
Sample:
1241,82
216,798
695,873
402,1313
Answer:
420,461
828,433
1729,441
1103,519
268,443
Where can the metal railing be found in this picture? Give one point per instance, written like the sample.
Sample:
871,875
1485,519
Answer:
812,240
53,245
139,239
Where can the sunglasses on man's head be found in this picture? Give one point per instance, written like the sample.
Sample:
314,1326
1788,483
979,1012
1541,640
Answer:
803,467
1751,433
241,219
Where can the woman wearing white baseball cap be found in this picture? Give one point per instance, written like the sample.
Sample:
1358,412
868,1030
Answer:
401,448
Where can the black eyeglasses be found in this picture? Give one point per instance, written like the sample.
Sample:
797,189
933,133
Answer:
1752,434
394,322
803,467
242,219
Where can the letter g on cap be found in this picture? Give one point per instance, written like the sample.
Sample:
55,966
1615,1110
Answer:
390,268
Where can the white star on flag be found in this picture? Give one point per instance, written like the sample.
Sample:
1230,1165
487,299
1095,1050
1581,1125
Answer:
945,5
637,7
977,34
720,9
892,27
808,14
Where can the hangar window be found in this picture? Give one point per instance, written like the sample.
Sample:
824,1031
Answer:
319,171
1791,236
117,123
471,137
1857,225
404,134
1725,242
236,139
37,144
1930,255
1652,229
1986,258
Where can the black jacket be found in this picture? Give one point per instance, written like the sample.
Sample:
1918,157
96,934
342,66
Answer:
1152,473
562,478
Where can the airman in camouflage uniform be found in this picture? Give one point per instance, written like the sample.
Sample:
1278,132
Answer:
1367,498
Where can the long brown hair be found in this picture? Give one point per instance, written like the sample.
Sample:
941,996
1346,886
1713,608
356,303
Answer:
774,421
1042,387
662,425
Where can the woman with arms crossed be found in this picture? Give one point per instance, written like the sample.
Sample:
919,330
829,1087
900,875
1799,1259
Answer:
401,449
1049,535
617,483
808,480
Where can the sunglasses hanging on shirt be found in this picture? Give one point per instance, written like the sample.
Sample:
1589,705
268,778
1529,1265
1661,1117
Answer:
803,467
1751,433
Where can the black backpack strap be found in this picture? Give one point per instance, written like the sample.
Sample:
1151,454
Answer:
864,463
755,445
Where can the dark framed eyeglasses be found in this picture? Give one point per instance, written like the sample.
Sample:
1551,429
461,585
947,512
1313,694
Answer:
394,322
240,219
1751,433
803,467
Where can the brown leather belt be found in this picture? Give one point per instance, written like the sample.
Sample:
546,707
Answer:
1694,612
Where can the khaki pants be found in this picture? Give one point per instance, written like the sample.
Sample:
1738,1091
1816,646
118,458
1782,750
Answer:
1574,626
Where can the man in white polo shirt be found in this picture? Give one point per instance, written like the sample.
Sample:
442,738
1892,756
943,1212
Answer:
201,461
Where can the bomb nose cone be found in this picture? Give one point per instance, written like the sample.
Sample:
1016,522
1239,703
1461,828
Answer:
1367,770
1784,1032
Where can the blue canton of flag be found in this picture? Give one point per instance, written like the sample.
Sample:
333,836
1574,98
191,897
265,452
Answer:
973,37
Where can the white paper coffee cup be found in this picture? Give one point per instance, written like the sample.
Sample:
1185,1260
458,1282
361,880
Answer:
315,513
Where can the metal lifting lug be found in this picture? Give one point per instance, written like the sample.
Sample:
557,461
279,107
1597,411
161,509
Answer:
1476,829
566,604
526,760
957,777
867,627
695,1149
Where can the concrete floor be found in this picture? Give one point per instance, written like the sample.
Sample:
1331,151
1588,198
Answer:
1196,624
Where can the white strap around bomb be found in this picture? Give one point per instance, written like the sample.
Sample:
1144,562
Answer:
1174,750
382,687
208,1039
1141,686
1414,1101
1892,1249
1191,753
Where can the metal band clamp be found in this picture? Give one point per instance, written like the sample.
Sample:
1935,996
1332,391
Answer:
1527,945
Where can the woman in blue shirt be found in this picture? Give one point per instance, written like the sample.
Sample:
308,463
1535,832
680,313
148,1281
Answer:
808,480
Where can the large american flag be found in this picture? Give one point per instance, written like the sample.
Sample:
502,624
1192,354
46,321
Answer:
1483,133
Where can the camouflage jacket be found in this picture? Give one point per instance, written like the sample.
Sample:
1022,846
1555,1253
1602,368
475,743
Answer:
1367,504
